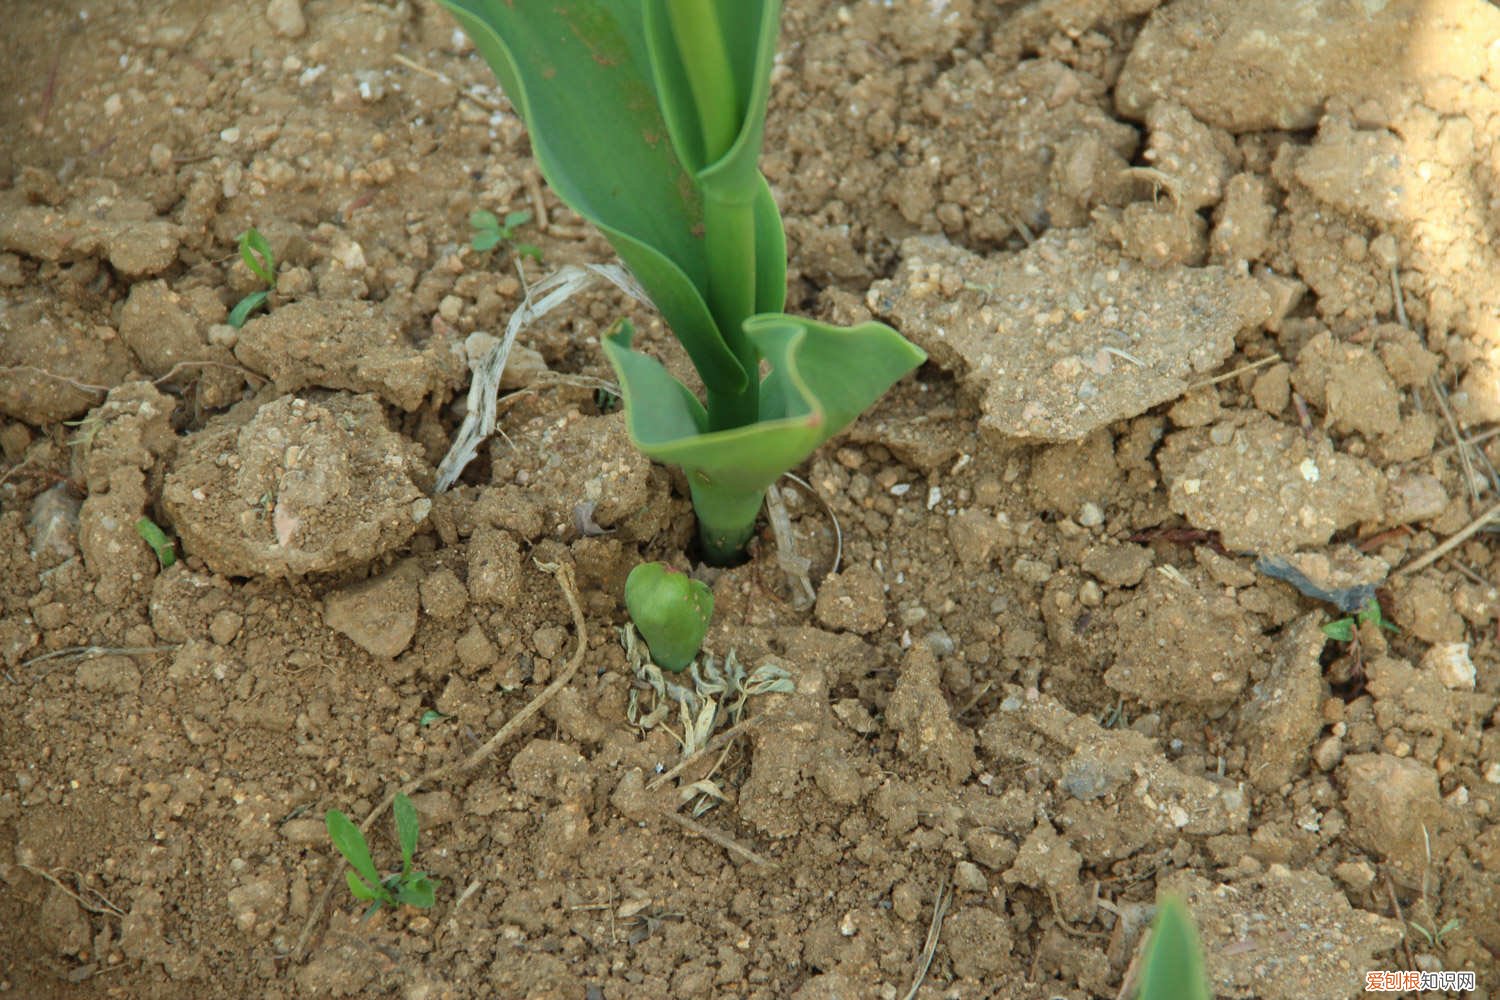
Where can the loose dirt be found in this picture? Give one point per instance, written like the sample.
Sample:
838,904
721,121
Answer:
1204,283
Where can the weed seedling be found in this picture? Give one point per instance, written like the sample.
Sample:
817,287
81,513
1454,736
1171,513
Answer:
490,232
255,251
413,888
646,117
1172,968
671,610
1346,629
151,533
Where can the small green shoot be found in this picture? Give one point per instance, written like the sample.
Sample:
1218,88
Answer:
255,251
413,888
1435,938
430,716
671,610
1172,968
1345,629
161,544
490,232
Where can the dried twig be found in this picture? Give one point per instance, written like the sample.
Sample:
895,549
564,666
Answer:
417,67
718,741
793,564
44,373
104,906
252,377
1242,369
1452,542
838,532
1471,477
1390,886
14,469
934,931
538,202
80,652
1473,440
1399,298
714,836
1466,571
488,364
564,574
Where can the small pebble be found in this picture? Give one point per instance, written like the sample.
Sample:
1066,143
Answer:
939,643
968,876
225,626
1451,662
1329,753
286,18
1090,516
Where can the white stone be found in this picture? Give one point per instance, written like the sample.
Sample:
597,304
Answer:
1451,662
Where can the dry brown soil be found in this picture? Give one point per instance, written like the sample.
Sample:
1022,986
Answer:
1202,281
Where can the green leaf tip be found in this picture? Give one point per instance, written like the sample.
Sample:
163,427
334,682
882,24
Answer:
1173,968
671,610
406,829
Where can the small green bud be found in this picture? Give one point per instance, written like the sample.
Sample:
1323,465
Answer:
671,611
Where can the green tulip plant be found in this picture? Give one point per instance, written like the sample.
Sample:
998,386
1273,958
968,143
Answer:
646,117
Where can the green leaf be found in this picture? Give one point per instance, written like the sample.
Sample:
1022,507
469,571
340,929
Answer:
1341,630
485,240
360,890
529,250
350,842
579,73
1173,965
430,716
671,610
711,62
416,890
1371,613
242,309
822,377
166,555
481,219
406,829
255,251
514,220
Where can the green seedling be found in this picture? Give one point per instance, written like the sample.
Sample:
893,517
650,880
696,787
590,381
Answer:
1172,968
1345,629
671,610
413,888
161,544
430,716
646,117
490,232
255,251
1435,937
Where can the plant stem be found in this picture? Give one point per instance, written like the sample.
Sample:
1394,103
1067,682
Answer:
726,518
729,231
